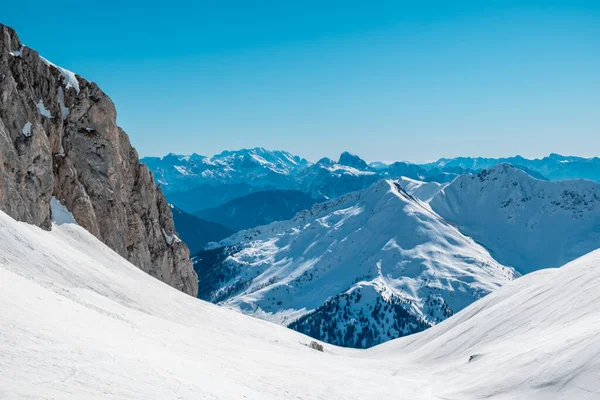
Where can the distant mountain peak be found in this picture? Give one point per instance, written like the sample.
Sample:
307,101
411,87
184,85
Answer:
352,160
325,161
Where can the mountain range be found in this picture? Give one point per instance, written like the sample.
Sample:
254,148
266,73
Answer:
195,183
401,255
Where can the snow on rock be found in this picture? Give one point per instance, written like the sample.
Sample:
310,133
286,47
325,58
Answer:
60,214
17,53
378,260
64,110
525,222
43,111
170,237
26,131
69,77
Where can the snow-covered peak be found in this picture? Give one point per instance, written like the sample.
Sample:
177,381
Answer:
277,160
525,222
378,239
256,167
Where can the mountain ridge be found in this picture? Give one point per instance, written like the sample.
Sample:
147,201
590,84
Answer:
411,265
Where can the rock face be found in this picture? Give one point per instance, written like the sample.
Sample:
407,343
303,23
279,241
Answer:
59,137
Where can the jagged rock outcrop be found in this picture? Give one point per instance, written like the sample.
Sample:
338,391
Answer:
59,137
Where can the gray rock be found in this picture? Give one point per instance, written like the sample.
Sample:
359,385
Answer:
59,137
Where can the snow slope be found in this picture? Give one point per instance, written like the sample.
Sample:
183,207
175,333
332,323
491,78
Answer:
525,222
378,262
78,321
538,337
424,191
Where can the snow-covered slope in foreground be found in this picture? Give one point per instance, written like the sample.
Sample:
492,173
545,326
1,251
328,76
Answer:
355,271
77,321
538,337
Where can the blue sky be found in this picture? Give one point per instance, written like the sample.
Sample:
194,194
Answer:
386,80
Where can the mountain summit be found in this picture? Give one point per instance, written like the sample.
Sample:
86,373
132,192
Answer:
525,222
355,271
354,161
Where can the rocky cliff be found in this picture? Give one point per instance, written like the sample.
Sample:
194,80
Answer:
59,137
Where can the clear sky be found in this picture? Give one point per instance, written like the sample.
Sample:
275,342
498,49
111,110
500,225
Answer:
388,80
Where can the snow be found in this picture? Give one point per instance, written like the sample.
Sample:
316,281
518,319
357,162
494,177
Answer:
526,223
379,239
535,338
60,214
26,131
171,238
69,77
254,167
346,170
182,170
64,110
17,53
42,108
423,191
78,321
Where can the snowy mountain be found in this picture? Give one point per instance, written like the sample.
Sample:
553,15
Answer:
75,316
356,271
258,208
553,167
197,232
195,182
524,222
350,173
256,167
331,179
